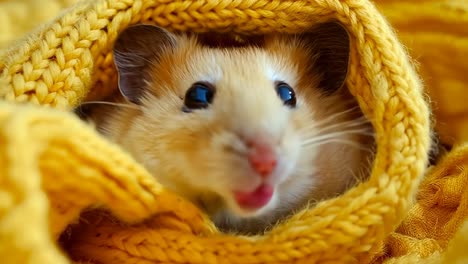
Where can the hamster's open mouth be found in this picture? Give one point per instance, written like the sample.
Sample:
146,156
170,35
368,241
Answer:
256,199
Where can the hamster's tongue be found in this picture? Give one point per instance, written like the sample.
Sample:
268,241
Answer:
256,199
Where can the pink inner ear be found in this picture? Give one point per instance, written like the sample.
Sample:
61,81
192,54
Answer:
330,44
136,48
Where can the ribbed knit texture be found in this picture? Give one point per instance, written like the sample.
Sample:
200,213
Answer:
53,167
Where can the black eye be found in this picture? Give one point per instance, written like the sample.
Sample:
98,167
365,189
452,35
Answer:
286,93
199,96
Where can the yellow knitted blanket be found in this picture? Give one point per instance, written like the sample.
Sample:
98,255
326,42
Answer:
67,195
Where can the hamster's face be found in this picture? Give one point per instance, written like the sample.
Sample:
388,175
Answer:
242,132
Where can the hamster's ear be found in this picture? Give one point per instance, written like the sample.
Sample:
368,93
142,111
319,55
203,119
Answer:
331,47
136,49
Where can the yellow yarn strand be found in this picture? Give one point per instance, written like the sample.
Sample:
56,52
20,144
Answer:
64,159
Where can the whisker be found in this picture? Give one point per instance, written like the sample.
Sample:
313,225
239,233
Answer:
338,114
364,132
342,141
333,117
346,124
112,104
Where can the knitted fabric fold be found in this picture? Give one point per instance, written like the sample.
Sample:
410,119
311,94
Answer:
67,194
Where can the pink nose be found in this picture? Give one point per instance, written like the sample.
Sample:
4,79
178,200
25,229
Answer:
262,158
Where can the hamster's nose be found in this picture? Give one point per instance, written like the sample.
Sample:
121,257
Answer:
262,158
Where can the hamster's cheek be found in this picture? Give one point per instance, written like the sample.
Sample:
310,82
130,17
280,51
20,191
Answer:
190,146
299,180
293,153
223,172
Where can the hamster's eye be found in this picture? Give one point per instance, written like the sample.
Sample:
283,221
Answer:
286,93
199,96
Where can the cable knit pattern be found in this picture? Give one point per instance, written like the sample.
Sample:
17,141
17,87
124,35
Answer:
64,185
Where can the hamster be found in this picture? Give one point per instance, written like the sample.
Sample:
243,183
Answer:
248,131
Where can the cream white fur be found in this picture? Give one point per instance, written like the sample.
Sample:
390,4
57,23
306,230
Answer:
202,155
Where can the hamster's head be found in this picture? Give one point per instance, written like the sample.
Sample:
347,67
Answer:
248,133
